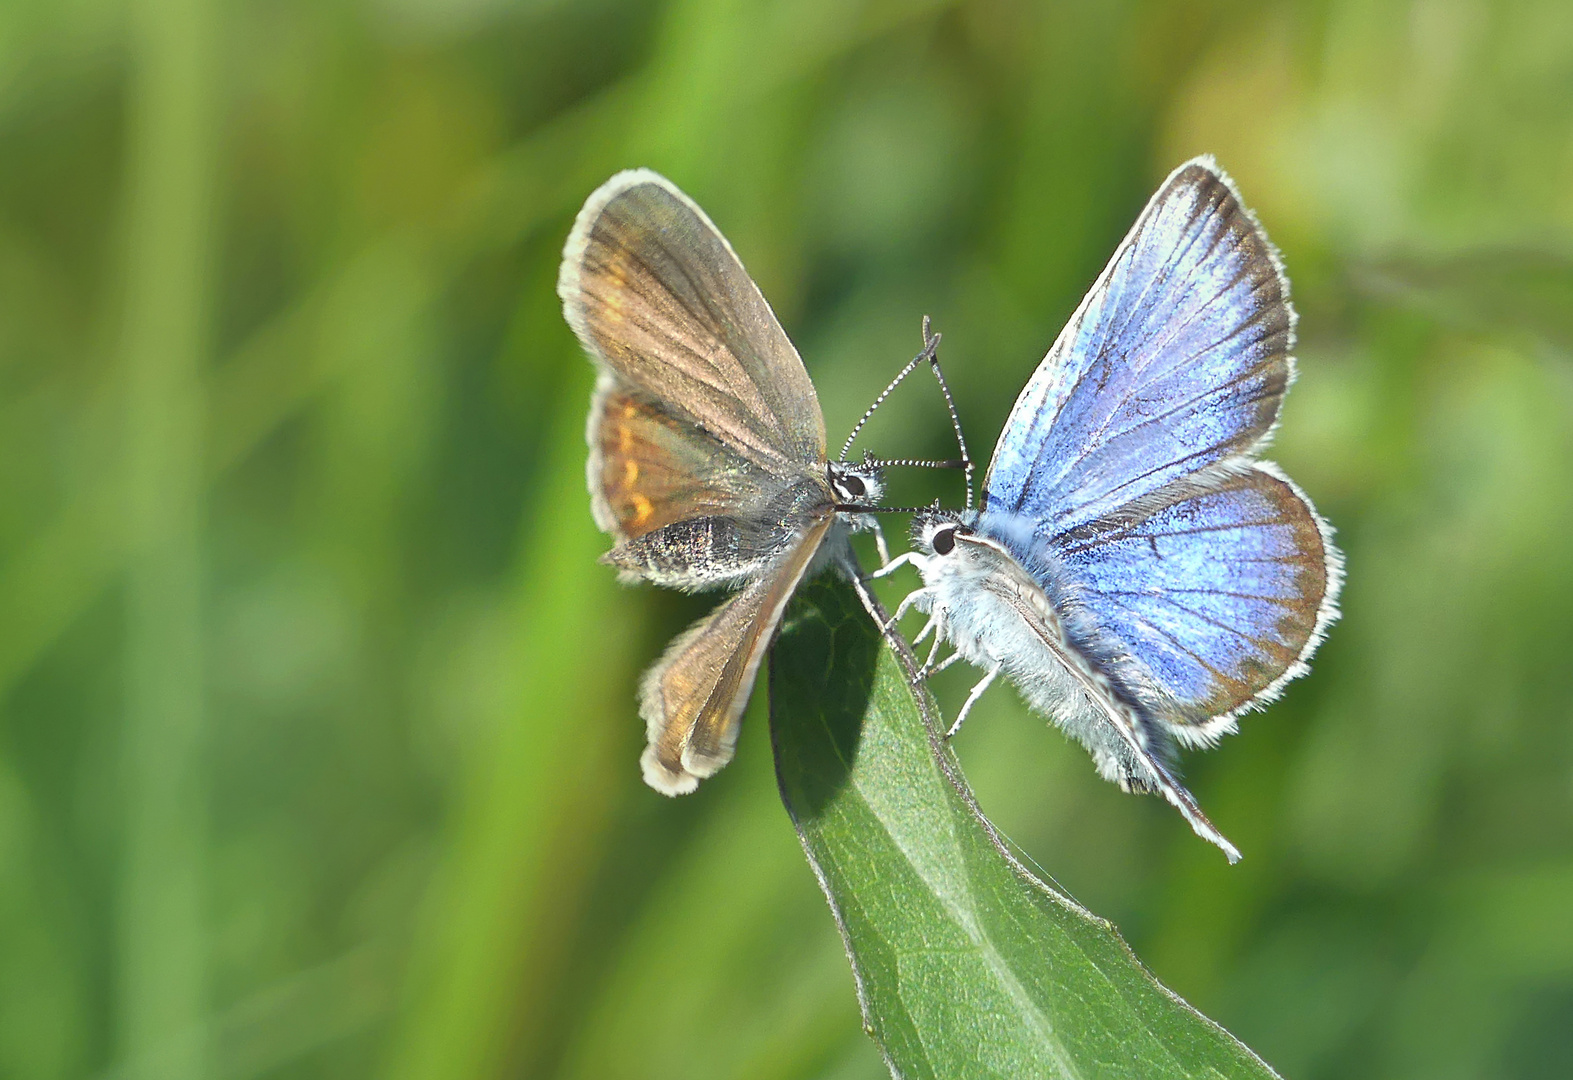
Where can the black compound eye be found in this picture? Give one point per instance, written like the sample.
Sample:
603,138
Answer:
944,542
853,486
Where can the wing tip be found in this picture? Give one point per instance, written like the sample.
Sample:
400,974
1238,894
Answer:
579,235
1208,164
660,772
684,779
663,778
1205,162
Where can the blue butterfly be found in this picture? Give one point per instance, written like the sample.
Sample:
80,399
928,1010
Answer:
1134,568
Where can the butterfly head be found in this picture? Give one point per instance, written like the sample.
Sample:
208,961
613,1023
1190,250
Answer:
856,484
934,531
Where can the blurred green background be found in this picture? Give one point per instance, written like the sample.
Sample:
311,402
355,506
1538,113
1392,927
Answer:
319,750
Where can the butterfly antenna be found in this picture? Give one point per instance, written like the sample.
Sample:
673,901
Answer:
929,345
864,508
870,461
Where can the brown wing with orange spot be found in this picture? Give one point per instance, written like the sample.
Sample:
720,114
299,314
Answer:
657,296
649,469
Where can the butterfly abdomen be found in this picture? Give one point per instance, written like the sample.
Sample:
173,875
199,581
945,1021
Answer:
1062,665
697,554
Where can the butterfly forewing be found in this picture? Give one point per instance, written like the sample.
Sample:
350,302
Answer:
693,698
1176,360
657,295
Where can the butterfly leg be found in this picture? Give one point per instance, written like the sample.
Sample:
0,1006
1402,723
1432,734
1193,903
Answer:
892,565
936,623
886,627
854,574
913,597
930,668
977,692
945,663
880,545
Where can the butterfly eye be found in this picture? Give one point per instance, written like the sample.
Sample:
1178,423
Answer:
853,487
944,542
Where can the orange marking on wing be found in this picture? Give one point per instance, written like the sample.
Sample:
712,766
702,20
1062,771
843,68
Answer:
642,509
630,472
617,270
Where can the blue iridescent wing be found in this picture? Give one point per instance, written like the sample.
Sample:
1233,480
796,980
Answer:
1176,360
1218,588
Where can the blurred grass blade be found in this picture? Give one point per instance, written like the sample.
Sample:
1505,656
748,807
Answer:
537,786
966,965
162,959
1521,292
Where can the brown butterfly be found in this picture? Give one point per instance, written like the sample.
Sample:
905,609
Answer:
707,453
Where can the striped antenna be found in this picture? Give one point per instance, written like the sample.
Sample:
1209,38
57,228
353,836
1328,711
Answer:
861,508
931,354
872,462
950,405
929,345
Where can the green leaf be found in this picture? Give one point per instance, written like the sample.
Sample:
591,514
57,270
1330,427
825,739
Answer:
966,964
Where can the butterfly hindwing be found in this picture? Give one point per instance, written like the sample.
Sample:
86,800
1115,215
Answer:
686,512
1002,614
649,468
1218,587
1177,359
